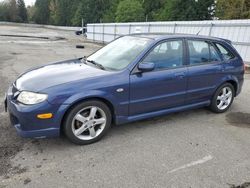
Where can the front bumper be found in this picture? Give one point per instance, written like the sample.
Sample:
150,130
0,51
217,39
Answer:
24,117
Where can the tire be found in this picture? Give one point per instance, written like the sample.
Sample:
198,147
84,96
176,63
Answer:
78,32
221,103
93,117
80,46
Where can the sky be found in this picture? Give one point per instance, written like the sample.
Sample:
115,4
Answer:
27,2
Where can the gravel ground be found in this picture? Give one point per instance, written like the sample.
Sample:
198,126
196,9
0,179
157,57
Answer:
189,149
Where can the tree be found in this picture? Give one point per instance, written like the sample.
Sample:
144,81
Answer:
3,11
22,11
109,12
53,7
12,11
175,10
90,11
233,9
62,11
9,11
79,15
83,12
42,13
205,9
129,11
31,12
71,12
151,7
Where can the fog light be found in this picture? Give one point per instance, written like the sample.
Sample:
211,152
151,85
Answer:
45,116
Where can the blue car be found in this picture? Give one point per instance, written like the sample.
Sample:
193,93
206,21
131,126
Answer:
132,78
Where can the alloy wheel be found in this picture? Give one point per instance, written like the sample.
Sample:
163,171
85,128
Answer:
88,123
224,98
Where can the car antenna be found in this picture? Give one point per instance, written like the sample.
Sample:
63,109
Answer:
198,32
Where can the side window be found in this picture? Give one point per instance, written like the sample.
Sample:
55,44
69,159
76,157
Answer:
162,48
202,52
166,55
214,56
227,55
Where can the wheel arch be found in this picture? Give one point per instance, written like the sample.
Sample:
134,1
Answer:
101,99
235,85
232,80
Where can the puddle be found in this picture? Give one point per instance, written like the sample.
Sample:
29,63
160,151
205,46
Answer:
238,119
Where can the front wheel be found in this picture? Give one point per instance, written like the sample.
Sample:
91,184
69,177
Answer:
223,98
87,122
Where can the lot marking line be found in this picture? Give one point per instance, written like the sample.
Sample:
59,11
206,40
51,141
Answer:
193,163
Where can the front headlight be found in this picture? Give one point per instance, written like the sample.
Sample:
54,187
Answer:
27,97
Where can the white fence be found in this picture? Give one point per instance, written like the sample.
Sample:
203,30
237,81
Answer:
238,31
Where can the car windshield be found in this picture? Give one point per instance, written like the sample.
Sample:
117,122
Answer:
120,53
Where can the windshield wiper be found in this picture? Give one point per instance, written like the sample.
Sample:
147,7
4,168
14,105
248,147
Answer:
96,64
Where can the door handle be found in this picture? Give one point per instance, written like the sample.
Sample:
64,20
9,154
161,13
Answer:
180,75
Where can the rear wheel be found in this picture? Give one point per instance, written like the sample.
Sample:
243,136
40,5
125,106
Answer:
87,122
223,98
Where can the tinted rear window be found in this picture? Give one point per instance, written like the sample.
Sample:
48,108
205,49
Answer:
227,55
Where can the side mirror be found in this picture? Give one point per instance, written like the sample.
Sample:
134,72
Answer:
146,66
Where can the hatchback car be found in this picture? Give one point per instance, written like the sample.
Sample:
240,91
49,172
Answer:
132,78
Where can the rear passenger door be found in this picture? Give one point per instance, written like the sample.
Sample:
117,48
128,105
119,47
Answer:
204,70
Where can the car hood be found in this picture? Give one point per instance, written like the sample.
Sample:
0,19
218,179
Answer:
54,74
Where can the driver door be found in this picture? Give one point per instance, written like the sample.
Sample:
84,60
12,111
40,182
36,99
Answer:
166,85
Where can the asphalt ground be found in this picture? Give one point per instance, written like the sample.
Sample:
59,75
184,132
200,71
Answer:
196,148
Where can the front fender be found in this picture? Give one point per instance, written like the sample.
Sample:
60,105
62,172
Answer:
120,107
89,94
